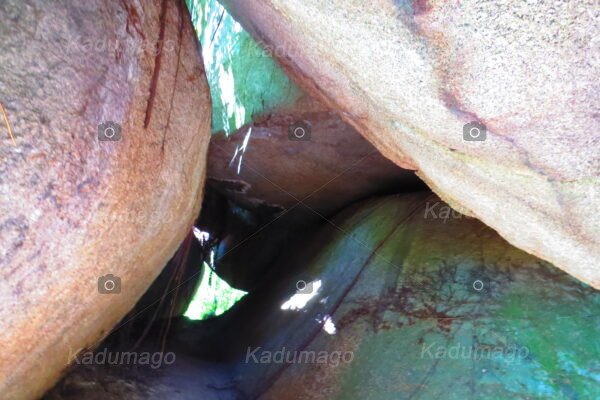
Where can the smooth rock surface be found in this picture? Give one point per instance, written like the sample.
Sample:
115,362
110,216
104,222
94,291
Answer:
283,187
329,167
73,208
410,75
418,307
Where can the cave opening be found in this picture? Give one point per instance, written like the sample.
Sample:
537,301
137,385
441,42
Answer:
212,297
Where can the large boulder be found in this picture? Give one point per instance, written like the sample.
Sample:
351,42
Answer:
410,299
306,153
74,208
278,186
410,75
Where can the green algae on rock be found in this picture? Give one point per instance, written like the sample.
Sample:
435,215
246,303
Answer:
243,77
428,308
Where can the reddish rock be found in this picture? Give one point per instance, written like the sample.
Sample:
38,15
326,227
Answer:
332,168
73,208
265,179
410,76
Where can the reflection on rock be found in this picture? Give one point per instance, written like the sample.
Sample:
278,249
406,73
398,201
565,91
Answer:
335,166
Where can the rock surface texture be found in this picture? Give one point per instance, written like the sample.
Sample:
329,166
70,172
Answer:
410,75
406,305
73,208
331,166
290,184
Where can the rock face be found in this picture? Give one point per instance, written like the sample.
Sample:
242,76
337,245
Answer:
289,184
74,208
331,166
420,303
410,75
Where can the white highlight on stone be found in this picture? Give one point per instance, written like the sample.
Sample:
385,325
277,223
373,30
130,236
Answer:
299,300
328,325
202,236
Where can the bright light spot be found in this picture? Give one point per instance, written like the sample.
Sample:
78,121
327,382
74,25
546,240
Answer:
328,325
234,110
202,236
299,300
240,150
234,155
246,139
239,168
213,297
237,27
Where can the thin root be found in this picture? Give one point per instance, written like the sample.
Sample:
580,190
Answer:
10,133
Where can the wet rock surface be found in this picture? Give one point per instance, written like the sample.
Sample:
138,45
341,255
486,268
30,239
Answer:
425,307
405,303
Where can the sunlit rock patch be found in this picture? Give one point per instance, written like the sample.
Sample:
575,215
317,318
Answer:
243,77
412,76
109,107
